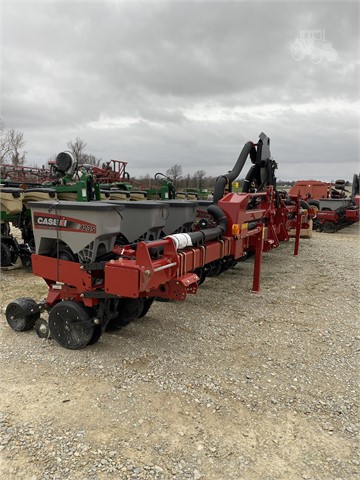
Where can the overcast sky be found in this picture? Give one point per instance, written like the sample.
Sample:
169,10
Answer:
158,83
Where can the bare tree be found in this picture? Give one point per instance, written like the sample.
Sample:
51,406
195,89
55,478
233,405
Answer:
209,182
90,159
175,173
11,144
187,181
147,180
4,143
77,148
16,143
199,177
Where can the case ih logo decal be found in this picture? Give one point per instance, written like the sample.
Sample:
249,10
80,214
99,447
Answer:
48,221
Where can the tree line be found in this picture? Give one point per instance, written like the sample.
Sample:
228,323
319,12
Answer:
198,180
12,152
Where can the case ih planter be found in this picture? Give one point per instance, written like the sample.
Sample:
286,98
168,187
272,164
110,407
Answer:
114,284
75,230
143,220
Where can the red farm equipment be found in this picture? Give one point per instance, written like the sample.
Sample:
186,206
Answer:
113,171
335,214
96,283
13,176
314,190
333,209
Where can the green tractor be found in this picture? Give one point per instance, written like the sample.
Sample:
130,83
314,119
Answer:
166,190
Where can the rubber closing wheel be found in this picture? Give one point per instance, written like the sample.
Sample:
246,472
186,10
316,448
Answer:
146,306
22,313
42,328
70,325
96,335
97,327
128,310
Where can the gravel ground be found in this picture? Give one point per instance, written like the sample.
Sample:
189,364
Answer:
226,385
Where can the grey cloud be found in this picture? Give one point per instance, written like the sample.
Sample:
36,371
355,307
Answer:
68,65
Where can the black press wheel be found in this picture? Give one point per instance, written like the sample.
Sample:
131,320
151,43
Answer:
71,325
128,310
22,313
5,259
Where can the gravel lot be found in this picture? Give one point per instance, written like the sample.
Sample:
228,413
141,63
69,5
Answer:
226,385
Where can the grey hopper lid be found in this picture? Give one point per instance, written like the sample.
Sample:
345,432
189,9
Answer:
65,205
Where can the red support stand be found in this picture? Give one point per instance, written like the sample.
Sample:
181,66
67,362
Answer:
297,236
259,245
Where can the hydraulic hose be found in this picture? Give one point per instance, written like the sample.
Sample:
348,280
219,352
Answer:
262,172
221,182
249,178
182,240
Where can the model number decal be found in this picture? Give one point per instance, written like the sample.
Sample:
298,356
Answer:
48,221
88,228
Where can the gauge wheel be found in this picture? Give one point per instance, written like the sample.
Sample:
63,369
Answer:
71,325
22,313
64,253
